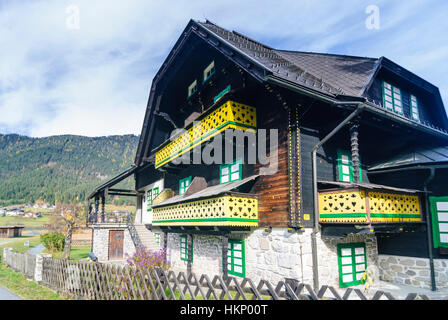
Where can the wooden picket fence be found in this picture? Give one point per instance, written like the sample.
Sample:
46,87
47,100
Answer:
100,281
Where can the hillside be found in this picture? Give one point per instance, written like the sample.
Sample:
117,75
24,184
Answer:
64,168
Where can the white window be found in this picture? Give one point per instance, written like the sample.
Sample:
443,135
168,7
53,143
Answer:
192,88
209,71
414,108
392,98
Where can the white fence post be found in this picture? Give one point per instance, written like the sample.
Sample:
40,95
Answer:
39,266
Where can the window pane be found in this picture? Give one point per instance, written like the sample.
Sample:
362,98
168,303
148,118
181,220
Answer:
442,206
442,216
347,278
346,260
347,269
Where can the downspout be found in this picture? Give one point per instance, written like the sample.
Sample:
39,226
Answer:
429,229
359,109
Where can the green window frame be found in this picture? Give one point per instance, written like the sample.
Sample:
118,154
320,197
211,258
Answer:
192,88
223,92
209,71
151,194
345,166
184,248
236,264
392,98
413,102
184,184
439,214
231,172
352,263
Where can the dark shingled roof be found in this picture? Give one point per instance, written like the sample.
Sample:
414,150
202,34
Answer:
337,74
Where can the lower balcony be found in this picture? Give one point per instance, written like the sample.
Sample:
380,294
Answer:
228,210
359,205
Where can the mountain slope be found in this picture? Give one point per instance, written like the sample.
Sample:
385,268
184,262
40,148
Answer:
62,168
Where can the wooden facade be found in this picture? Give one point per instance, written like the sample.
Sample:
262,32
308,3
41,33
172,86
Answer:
215,81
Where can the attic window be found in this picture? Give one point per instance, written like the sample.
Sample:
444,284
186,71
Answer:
392,98
414,108
209,71
192,88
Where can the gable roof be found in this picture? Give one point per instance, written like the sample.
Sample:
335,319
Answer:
331,73
334,76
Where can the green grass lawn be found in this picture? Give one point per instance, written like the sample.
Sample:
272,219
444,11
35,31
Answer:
76,253
26,289
27,222
18,243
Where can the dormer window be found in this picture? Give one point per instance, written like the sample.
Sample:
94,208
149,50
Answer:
209,71
414,108
192,88
392,98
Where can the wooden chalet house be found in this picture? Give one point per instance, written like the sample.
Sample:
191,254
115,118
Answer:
356,178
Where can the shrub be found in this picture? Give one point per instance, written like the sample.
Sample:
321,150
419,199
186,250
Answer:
53,241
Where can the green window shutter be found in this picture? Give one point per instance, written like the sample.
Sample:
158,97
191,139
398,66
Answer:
414,108
149,200
439,213
345,166
236,264
392,98
352,262
231,172
184,184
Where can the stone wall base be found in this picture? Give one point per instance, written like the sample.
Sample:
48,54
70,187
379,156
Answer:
412,271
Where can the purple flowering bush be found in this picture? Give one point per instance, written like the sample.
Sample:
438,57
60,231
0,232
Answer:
146,259
143,259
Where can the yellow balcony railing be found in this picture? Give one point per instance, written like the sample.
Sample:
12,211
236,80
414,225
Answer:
225,210
231,115
361,206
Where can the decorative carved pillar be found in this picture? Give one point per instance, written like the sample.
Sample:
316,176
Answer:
103,209
225,249
354,132
97,203
189,252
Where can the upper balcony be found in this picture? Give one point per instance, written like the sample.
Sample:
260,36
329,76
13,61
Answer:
230,115
369,204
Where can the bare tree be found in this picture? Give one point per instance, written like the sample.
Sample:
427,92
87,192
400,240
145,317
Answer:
66,218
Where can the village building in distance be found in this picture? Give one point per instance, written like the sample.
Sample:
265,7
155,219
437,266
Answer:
356,177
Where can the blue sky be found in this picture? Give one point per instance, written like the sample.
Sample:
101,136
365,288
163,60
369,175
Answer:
94,80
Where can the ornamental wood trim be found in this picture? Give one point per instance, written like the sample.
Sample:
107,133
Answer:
231,115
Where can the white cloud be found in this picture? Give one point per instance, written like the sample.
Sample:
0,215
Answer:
95,80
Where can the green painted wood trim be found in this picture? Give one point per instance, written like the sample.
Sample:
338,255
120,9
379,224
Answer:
203,220
353,255
243,258
435,221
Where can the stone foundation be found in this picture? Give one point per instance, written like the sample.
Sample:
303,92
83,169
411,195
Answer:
100,245
273,256
413,271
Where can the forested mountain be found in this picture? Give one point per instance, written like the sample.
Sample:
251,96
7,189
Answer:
64,168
